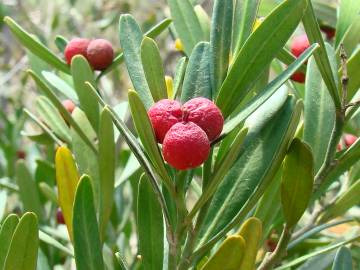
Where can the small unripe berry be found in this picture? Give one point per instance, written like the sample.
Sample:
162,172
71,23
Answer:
163,115
68,105
60,217
299,45
204,113
100,54
349,139
76,46
186,146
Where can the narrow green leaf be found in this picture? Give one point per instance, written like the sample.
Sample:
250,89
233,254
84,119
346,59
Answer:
319,114
106,168
245,15
186,23
297,181
153,68
197,81
257,53
150,226
321,57
220,42
60,85
130,39
6,233
287,58
48,192
22,254
61,43
204,21
34,46
81,73
29,193
228,256
147,135
351,38
179,75
348,12
52,242
51,116
87,246
121,261
343,260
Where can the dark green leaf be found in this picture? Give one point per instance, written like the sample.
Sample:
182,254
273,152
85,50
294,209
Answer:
87,247
179,75
61,43
343,260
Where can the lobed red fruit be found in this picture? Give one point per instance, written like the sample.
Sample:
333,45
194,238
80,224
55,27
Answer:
298,76
349,139
76,46
100,54
299,45
69,105
329,31
206,115
60,217
163,115
186,146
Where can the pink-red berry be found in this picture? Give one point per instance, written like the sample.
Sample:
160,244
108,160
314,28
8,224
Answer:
204,113
185,146
298,46
163,115
76,46
69,105
100,54
60,217
329,31
349,139
298,76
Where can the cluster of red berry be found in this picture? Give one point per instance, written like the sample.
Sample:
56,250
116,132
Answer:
186,131
98,52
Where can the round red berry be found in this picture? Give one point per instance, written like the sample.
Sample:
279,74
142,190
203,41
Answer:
163,115
299,45
100,54
186,146
74,47
298,76
20,154
329,31
69,105
349,139
204,113
60,217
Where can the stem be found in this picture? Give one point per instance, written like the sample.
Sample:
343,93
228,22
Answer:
280,251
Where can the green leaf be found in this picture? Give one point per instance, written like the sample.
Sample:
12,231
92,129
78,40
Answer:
343,260
34,46
287,58
51,116
297,181
179,75
326,13
316,253
152,33
347,200
351,38
67,178
153,68
57,103
22,254
6,233
197,81
61,43
245,16
81,73
48,192
348,12
150,226
51,241
186,23
204,21
321,57
87,246
267,92
353,73
106,168
271,128
228,256
251,232
147,135
130,39
62,86
257,53
220,41
121,261
29,193
319,114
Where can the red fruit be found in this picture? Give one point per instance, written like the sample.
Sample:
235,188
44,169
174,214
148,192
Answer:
349,139
298,76
20,154
69,105
186,146
74,47
60,217
163,115
100,54
329,31
339,147
299,45
204,113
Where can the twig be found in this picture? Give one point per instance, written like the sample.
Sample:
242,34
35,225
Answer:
345,77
